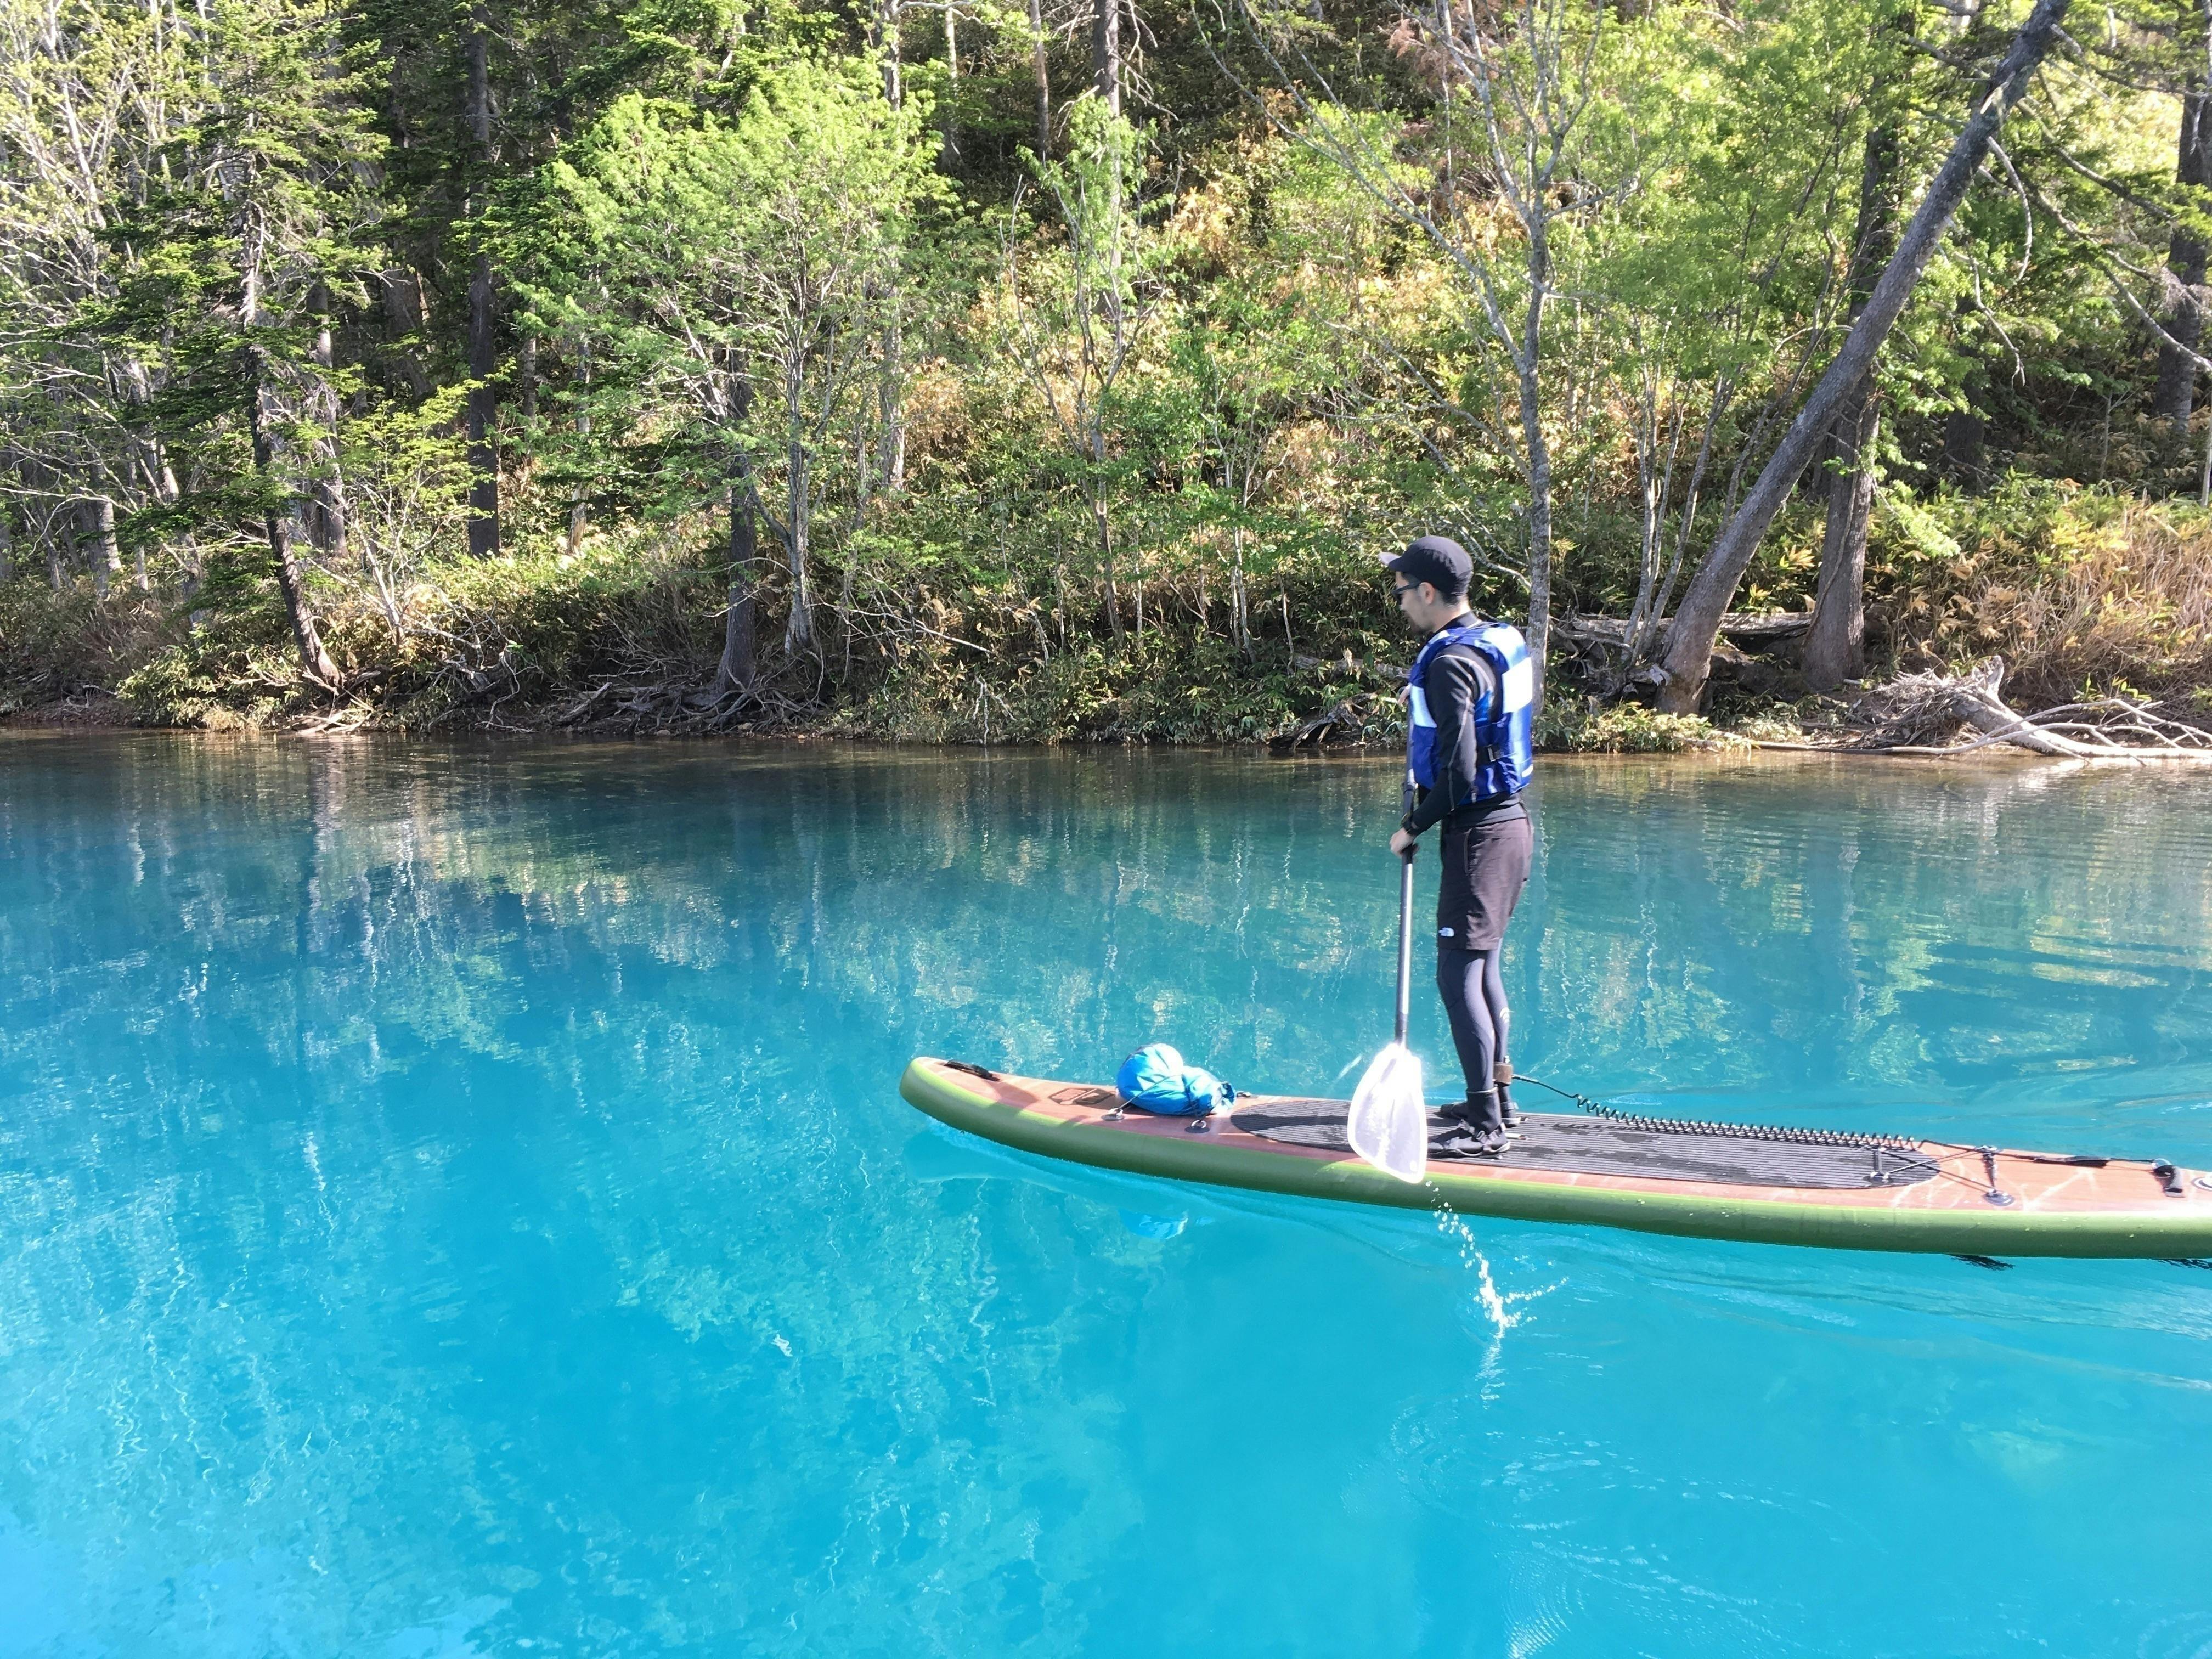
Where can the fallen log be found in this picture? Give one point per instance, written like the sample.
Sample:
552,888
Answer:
1754,628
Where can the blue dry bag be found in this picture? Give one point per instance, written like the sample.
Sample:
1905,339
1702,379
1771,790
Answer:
1155,1080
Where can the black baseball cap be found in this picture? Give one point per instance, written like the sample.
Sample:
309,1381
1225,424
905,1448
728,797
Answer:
1436,559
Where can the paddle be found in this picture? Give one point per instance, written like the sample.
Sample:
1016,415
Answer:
1388,1124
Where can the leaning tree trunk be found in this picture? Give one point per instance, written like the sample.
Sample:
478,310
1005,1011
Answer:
1835,648
1697,623
278,527
2175,393
483,406
276,522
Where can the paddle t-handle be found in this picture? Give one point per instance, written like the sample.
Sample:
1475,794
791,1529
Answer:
1405,923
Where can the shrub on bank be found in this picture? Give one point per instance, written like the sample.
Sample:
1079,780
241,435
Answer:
1583,725
59,644
2077,588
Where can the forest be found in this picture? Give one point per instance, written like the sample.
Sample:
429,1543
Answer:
962,371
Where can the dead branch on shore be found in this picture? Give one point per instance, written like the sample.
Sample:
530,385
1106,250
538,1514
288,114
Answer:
1350,719
1926,714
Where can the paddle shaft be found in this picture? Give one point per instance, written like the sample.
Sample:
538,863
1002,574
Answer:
1405,928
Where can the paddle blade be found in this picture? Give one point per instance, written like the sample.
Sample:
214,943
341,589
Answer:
1388,1124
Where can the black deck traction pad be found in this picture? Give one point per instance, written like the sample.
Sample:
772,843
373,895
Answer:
1588,1145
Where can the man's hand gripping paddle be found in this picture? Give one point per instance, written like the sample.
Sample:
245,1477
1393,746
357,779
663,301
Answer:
1388,1124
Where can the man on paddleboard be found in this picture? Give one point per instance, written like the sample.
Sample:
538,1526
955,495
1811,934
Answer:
1469,755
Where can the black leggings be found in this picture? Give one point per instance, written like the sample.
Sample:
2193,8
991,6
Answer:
1474,1001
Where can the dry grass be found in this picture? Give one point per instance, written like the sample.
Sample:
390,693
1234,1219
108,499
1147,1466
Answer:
2123,601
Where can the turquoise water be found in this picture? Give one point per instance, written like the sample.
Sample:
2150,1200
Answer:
457,1202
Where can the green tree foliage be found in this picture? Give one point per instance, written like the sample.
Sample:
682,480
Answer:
1016,375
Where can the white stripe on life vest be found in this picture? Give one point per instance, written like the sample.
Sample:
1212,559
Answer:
1520,686
1417,707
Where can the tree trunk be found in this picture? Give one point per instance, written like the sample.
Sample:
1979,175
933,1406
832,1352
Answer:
1697,623
326,514
1106,53
950,156
1104,528
483,406
891,393
1239,627
314,660
798,632
1835,645
484,459
1539,631
2175,393
1966,434
278,527
96,514
578,512
137,390
1043,80
403,314
736,671
888,50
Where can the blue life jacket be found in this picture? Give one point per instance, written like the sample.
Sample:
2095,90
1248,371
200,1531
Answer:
1157,1078
1504,722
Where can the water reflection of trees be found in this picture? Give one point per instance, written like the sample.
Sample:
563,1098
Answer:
318,1239
517,1127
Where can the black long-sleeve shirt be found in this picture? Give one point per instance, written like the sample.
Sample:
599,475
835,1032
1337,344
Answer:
1459,683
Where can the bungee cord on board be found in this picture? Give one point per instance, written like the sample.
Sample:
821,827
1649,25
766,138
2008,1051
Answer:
1680,1125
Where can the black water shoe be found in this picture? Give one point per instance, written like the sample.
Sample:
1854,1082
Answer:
1457,1140
1470,1128
1509,1114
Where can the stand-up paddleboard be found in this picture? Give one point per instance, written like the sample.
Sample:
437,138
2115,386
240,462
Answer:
1654,1174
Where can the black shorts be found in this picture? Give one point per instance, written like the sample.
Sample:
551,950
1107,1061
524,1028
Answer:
1486,866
